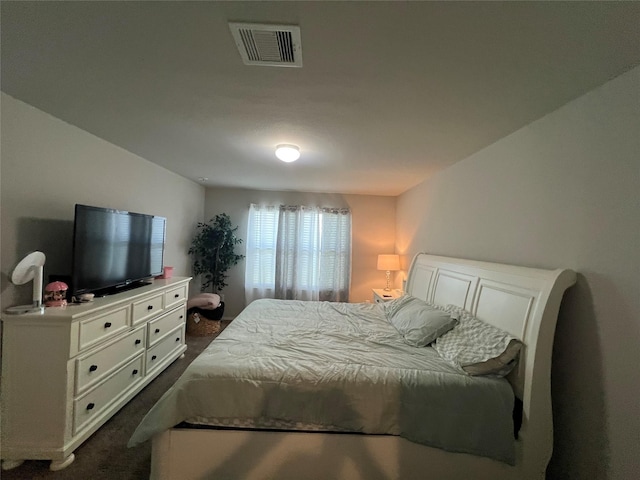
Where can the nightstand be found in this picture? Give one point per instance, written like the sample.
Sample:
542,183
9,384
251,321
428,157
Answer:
381,295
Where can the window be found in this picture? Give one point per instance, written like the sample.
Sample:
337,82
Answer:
262,231
298,252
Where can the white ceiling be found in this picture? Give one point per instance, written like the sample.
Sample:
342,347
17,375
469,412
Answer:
390,92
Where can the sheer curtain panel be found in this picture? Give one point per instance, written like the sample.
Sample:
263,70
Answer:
298,253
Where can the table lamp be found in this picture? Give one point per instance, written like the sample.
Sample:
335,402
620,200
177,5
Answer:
389,263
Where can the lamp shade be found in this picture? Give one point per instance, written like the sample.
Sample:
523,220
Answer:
389,262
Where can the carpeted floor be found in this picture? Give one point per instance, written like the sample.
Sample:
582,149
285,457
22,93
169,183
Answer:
104,455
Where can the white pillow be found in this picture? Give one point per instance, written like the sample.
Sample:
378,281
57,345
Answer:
478,347
418,322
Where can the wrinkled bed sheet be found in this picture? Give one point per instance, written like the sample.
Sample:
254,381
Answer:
337,367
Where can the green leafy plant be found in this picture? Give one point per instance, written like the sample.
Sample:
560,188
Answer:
213,251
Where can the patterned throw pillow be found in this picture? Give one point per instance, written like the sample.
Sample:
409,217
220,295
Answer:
478,347
418,322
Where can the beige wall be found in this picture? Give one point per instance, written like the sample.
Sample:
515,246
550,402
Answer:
561,192
48,166
373,232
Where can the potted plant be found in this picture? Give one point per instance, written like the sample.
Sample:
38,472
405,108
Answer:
213,253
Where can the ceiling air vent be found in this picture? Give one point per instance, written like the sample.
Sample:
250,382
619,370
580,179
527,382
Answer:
268,45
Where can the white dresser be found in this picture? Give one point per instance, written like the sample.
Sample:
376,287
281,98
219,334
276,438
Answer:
66,372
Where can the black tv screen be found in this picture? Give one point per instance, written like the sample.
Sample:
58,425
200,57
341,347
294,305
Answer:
113,249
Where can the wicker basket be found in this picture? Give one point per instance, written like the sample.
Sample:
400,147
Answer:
200,326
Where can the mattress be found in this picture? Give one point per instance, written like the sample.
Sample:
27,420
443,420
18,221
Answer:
287,364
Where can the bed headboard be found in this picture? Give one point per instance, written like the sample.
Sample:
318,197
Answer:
523,301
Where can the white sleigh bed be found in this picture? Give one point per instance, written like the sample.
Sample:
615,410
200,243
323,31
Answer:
522,301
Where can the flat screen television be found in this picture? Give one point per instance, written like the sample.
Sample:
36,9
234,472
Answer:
115,250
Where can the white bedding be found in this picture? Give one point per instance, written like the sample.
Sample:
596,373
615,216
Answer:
335,367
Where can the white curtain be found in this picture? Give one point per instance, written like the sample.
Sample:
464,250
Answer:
311,257
298,253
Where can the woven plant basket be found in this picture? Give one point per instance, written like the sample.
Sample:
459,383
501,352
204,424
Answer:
200,326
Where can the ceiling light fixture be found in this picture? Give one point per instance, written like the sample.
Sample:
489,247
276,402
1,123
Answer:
288,153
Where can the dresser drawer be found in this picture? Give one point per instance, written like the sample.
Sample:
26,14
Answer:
161,350
97,329
146,308
104,395
92,368
175,296
158,328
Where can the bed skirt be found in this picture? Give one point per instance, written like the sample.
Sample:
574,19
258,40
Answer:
189,454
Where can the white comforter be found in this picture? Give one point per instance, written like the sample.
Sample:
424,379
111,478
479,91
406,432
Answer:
335,367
